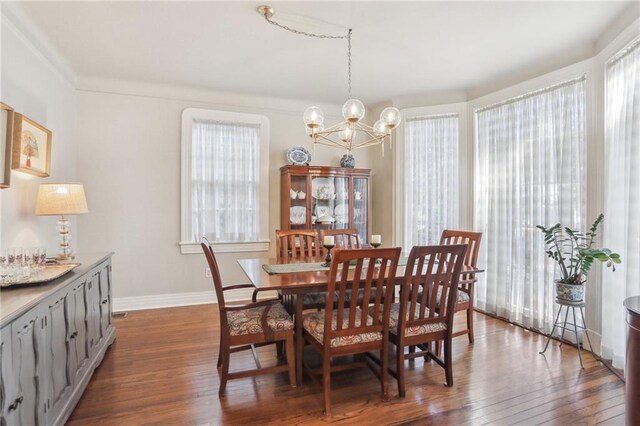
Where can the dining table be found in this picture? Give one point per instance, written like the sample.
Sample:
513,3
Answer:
295,277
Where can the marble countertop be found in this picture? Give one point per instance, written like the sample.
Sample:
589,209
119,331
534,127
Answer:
14,301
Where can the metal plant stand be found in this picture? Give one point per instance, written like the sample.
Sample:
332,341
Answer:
571,326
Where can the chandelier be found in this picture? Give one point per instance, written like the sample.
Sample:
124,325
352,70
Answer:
351,133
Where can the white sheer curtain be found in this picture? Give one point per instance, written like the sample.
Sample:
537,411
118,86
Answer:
530,156
622,208
225,181
430,177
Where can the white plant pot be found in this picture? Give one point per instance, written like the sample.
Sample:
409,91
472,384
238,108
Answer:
571,293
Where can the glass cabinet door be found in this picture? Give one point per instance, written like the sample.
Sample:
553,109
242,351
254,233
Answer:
360,208
298,216
330,202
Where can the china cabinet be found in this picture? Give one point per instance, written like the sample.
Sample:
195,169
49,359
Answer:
319,197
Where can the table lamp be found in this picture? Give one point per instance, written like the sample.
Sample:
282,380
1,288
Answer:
61,199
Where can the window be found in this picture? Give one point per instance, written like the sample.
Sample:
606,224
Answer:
622,192
224,180
430,178
530,157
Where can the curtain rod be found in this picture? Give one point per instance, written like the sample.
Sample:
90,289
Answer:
534,93
624,52
431,117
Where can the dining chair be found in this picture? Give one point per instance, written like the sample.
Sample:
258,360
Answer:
352,329
466,295
347,238
297,243
247,326
426,309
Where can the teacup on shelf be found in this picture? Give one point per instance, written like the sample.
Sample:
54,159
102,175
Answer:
293,194
301,195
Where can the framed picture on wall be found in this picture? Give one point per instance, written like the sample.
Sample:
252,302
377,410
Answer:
6,140
31,147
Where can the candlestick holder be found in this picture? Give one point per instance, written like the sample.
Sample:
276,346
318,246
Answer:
327,260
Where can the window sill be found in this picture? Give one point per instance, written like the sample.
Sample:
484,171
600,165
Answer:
194,248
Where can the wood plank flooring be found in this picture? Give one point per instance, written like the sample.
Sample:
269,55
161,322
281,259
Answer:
162,370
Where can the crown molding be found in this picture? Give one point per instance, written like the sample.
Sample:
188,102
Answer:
15,19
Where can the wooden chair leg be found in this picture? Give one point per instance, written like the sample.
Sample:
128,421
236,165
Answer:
224,371
412,349
326,384
291,359
400,370
448,367
384,372
470,323
438,348
280,349
219,364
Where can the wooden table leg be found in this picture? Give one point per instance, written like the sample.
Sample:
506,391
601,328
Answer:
299,337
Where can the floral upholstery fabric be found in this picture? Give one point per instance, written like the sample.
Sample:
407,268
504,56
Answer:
314,300
319,300
249,321
413,330
313,323
462,296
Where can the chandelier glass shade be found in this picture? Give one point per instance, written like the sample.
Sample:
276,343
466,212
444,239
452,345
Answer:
351,133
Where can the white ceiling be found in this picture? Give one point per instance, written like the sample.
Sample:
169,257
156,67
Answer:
399,48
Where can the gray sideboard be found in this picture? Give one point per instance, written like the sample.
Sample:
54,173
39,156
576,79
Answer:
52,337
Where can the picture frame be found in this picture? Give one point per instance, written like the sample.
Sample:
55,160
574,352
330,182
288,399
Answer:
31,147
6,142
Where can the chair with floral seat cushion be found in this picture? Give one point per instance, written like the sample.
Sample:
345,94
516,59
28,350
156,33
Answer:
467,282
347,238
244,327
426,309
297,243
348,329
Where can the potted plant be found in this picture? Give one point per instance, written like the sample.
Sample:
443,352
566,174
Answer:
573,251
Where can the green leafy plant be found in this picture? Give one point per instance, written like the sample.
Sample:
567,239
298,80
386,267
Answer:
574,251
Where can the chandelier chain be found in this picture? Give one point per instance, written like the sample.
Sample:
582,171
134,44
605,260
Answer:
333,37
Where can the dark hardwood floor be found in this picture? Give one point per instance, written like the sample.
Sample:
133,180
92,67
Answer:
162,370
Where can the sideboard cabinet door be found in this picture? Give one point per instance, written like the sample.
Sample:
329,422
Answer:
8,391
26,340
79,347
57,344
105,298
92,295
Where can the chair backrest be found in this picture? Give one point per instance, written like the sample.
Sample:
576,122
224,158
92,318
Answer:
431,280
345,238
450,236
215,274
366,276
296,243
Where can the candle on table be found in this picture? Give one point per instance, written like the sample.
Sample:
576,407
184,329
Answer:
329,240
376,239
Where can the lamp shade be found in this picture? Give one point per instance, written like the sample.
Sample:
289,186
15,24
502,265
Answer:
61,199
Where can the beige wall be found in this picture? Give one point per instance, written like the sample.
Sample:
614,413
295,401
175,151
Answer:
129,161
33,87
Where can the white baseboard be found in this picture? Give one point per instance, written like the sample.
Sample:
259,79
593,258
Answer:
156,301
595,338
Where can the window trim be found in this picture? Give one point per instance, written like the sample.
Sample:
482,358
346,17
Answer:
464,153
193,247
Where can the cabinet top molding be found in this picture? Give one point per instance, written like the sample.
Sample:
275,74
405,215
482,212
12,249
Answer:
15,301
323,170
